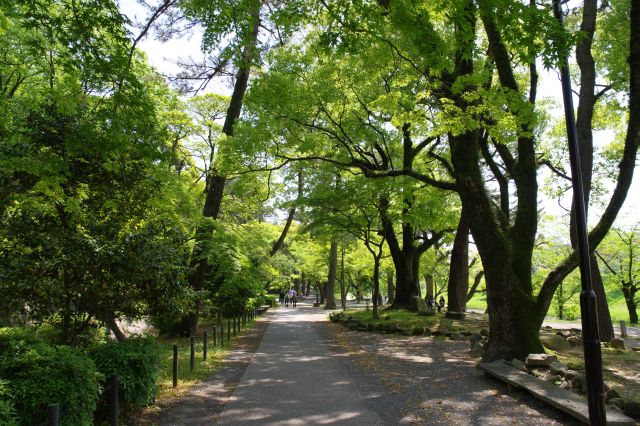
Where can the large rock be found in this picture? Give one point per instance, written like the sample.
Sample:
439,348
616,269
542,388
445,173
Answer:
517,364
617,402
570,374
559,368
477,350
578,383
617,343
632,407
615,391
418,304
555,342
539,360
574,340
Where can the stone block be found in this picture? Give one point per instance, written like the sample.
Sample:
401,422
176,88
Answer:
418,304
539,360
617,343
477,350
559,368
555,342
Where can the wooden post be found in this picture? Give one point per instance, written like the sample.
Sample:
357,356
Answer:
53,415
204,346
192,355
175,366
114,403
215,338
623,329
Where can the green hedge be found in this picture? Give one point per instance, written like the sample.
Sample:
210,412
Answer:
135,361
38,374
8,414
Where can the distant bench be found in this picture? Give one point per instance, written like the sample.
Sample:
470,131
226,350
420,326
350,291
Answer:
562,399
262,309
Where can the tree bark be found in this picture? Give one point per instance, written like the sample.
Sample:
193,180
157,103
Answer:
376,286
343,296
584,120
113,326
391,293
474,287
428,283
330,301
215,182
629,292
278,244
458,285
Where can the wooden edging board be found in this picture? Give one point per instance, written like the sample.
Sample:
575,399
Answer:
562,399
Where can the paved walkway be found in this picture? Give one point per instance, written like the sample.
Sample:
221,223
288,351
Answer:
293,378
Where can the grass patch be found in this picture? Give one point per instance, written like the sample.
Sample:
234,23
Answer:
408,320
202,369
618,366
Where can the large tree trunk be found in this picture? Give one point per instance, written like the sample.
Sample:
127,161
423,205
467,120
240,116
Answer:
629,292
113,326
428,284
376,286
330,301
474,287
458,285
584,120
343,295
215,183
391,293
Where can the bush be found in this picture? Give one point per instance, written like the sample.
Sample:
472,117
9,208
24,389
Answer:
39,374
8,415
135,361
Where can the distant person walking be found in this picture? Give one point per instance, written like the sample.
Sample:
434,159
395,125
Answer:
441,303
292,295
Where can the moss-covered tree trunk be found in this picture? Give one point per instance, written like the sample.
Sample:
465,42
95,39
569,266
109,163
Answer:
458,285
330,300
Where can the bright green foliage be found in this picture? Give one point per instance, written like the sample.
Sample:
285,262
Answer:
85,160
8,415
135,361
39,374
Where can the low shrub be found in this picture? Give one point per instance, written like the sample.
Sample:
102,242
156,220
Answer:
8,414
38,374
135,361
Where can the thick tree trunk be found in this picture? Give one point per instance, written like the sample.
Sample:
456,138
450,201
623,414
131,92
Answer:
629,292
215,183
343,295
605,325
391,293
323,291
428,283
376,286
330,301
474,287
458,285
113,326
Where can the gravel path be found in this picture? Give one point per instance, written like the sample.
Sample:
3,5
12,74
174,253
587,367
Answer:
432,381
